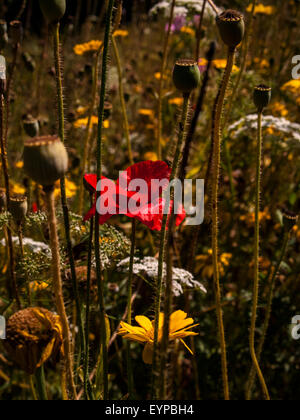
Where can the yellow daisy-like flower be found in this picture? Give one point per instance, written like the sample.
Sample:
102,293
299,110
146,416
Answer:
83,122
262,9
71,189
18,189
221,64
180,327
176,101
292,86
188,30
121,33
91,46
151,156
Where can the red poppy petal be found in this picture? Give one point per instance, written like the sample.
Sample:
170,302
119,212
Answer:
91,179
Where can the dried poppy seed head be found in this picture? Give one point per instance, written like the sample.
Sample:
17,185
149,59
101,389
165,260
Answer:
53,10
2,199
31,126
262,97
16,31
18,208
33,336
289,220
231,27
186,75
45,160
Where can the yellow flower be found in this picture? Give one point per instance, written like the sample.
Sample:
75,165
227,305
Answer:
121,33
279,109
146,112
292,86
202,62
176,101
204,263
81,110
262,9
83,122
263,64
37,286
187,30
221,64
19,164
18,189
92,46
180,327
71,189
151,156
157,76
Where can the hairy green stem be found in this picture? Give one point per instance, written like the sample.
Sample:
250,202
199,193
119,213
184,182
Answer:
122,100
256,258
61,120
216,141
99,175
161,80
175,166
252,374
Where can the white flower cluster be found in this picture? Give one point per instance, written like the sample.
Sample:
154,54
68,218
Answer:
34,246
283,125
183,8
149,267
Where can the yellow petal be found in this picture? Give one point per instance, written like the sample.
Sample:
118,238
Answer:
144,322
185,345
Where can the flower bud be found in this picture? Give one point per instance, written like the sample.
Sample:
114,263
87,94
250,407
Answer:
31,126
2,199
2,75
33,336
289,220
45,160
262,97
53,10
186,75
18,208
231,27
16,31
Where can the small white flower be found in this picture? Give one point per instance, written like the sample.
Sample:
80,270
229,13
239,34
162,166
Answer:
183,8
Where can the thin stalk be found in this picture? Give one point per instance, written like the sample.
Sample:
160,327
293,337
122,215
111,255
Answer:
252,375
4,162
122,99
256,258
20,235
175,166
8,87
129,306
99,175
22,9
41,384
58,289
216,141
87,316
161,81
199,29
61,119
89,128
32,387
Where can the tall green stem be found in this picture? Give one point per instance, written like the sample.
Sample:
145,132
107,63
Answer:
175,166
122,100
129,306
216,141
41,384
252,375
61,120
161,80
256,258
99,175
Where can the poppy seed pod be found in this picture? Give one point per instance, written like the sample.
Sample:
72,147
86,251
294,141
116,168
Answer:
53,10
18,208
2,75
231,26
33,336
186,75
45,160
16,31
2,200
262,97
31,126
289,220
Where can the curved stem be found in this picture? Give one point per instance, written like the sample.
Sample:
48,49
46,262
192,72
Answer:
58,290
252,375
61,120
216,141
122,100
129,306
256,259
175,166
99,175
161,81
41,384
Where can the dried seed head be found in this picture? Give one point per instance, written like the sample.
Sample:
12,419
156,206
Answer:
262,97
231,27
289,220
2,199
45,160
2,75
53,10
186,75
33,336
18,208
31,126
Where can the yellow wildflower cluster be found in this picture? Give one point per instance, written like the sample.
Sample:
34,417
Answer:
219,64
262,9
205,264
91,46
83,122
279,109
250,218
188,30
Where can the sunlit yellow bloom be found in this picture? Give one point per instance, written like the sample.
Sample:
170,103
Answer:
180,327
18,189
38,286
263,63
250,217
151,156
205,263
187,30
176,101
292,86
202,62
71,189
120,32
146,112
157,76
81,110
92,46
262,9
19,164
83,122
221,64
279,109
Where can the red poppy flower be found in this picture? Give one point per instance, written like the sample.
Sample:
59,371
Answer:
146,204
